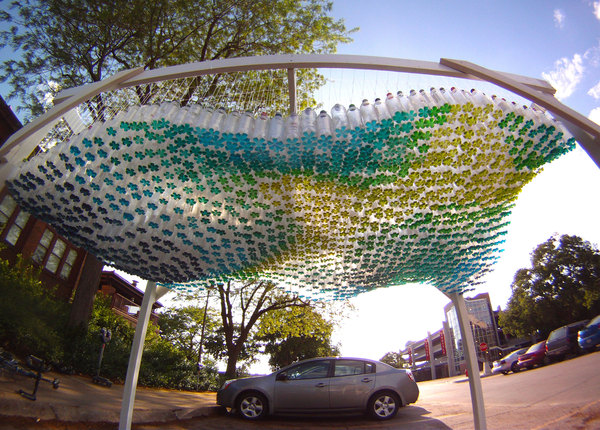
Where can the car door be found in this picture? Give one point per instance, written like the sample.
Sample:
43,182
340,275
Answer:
303,387
351,384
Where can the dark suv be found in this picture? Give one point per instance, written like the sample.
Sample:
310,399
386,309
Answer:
563,341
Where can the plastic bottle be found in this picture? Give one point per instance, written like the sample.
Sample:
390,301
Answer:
354,118
436,97
479,98
367,112
393,104
245,123
203,118
230,121
416,100
406,106
323,124
275,127
381,109
214,123
339,118
292,127
458,96
447,96
307,121
260,126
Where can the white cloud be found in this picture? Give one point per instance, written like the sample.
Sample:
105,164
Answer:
559,18
595,115
565,76
595,91
596,6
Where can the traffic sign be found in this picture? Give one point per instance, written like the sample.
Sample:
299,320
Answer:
483,346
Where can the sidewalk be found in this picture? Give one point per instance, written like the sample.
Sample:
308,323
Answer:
79,400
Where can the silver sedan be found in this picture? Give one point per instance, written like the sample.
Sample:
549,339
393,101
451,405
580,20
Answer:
330,384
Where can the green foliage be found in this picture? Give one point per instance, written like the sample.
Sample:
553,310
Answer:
293,334
394,359
183,328
561,287
31,319
66,43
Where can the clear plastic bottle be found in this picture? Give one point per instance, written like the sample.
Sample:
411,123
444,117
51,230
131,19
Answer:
324,124
458,96
406,105
367,112
436,97
307,121
339,117
275,127
381,109
230,121
393,104
354,118
447,96
245,123
292,127
203,118
216,119
260,126
480,98
416,100
166,111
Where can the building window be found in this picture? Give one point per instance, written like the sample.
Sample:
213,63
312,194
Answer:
42,248
55,256
7,207
17,227
68,264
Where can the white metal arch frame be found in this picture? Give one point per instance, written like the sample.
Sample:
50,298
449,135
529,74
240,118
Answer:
23,142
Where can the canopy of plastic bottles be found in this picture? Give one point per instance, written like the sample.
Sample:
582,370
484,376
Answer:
412,188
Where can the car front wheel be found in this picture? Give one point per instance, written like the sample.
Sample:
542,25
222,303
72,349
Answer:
384,405
252,406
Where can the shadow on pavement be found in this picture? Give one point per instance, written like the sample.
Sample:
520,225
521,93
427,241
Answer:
410,417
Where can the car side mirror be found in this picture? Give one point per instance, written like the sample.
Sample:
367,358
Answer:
281,377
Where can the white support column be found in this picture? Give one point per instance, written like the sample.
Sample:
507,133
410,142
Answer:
135,357
471,358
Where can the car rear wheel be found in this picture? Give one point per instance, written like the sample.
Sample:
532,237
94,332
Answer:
514,367
252,406
384,405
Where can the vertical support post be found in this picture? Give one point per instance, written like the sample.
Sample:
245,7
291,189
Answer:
135,357
471,358
291,74
449,350
431,357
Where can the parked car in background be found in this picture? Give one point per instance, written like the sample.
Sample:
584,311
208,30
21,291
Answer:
563,341
323,385
534,356
508,362
588,337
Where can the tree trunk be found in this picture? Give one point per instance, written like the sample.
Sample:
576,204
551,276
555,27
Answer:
83,302
232,358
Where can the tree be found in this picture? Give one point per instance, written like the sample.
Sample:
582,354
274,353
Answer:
562,286
242,305
394,359
183,328
289,335
66,43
